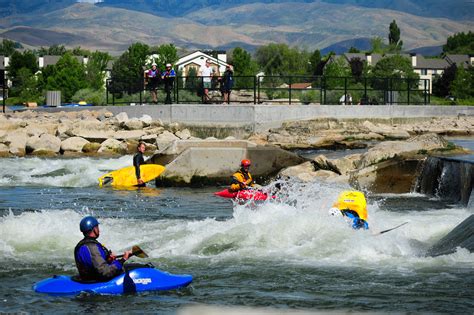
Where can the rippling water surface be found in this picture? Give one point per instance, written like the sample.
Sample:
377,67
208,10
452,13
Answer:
282,254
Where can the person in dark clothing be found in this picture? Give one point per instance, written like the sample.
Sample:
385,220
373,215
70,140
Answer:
137,161
93,260
168,78
152,80
227,83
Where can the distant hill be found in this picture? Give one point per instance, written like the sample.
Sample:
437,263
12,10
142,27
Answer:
452,9
306,25
363,44
428,51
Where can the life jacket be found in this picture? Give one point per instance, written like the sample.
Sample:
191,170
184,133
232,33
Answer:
85,272
352,202
153,73
240,178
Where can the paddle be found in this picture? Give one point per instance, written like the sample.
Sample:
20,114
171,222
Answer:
136,251
388,230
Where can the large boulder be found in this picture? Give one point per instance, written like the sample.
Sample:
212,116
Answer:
122,117
390,149
183,134
73,144
134,124
16,142
45,144
163,140
129,134
4,150
146,120
113,146
387,131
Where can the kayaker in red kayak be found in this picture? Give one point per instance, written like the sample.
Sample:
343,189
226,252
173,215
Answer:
242,179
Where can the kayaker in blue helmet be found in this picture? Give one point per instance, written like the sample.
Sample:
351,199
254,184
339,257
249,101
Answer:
93,260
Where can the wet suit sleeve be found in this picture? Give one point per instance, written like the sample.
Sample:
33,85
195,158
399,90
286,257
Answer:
100,264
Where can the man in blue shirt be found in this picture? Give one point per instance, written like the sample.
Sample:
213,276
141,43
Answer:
93,260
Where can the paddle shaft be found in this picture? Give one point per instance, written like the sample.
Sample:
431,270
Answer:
388,230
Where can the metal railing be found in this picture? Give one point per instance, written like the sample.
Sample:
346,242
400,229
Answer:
279,90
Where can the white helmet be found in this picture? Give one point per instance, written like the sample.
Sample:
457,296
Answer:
335,212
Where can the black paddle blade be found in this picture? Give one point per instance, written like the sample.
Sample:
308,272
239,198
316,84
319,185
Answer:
137,251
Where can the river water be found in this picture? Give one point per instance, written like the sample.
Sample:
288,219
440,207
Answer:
282,255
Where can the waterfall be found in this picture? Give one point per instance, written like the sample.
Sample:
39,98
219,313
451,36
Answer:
450,179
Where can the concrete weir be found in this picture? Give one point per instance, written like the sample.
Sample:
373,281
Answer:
240,120
214,161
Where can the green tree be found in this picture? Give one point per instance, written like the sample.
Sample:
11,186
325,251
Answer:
335,70
357,67
394,42
55,50
463,85
315,63
353,50
460,43
377,46
167,53
18,60
243,66
7,47
78,51
442,83
279,59
68,76
192,80
393,67
27,86
127,71
95,69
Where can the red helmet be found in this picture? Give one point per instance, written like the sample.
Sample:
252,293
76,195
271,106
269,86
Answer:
245,163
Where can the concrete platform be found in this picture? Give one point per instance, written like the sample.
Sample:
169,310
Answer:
215,161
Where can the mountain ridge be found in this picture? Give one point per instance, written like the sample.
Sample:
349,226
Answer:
307,25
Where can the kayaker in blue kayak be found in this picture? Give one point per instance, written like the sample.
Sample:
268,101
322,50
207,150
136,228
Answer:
93,260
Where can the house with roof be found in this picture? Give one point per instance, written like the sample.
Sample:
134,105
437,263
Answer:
427,68
48,60
460,60
198,58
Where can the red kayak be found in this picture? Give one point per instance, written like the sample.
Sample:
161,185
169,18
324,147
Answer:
243,194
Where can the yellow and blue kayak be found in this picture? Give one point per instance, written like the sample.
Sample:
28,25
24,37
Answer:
125,177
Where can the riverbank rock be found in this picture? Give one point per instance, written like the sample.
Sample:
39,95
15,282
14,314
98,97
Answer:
45,144
165,139
113,146
73,144
389,149
387,167
4,150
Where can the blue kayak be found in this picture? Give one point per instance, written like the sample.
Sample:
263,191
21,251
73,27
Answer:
135,280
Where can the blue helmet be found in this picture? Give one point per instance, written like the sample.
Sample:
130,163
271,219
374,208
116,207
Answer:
88,223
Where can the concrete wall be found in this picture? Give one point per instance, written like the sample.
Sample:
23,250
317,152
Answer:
262,117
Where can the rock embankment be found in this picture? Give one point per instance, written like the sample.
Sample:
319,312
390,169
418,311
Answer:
389,166
82,132
330,133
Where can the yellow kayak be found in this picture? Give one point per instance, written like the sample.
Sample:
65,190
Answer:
125,177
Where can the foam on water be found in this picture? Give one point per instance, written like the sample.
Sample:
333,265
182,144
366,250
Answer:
299,231
78,172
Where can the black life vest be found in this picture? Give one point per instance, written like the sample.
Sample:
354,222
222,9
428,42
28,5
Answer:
86,273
